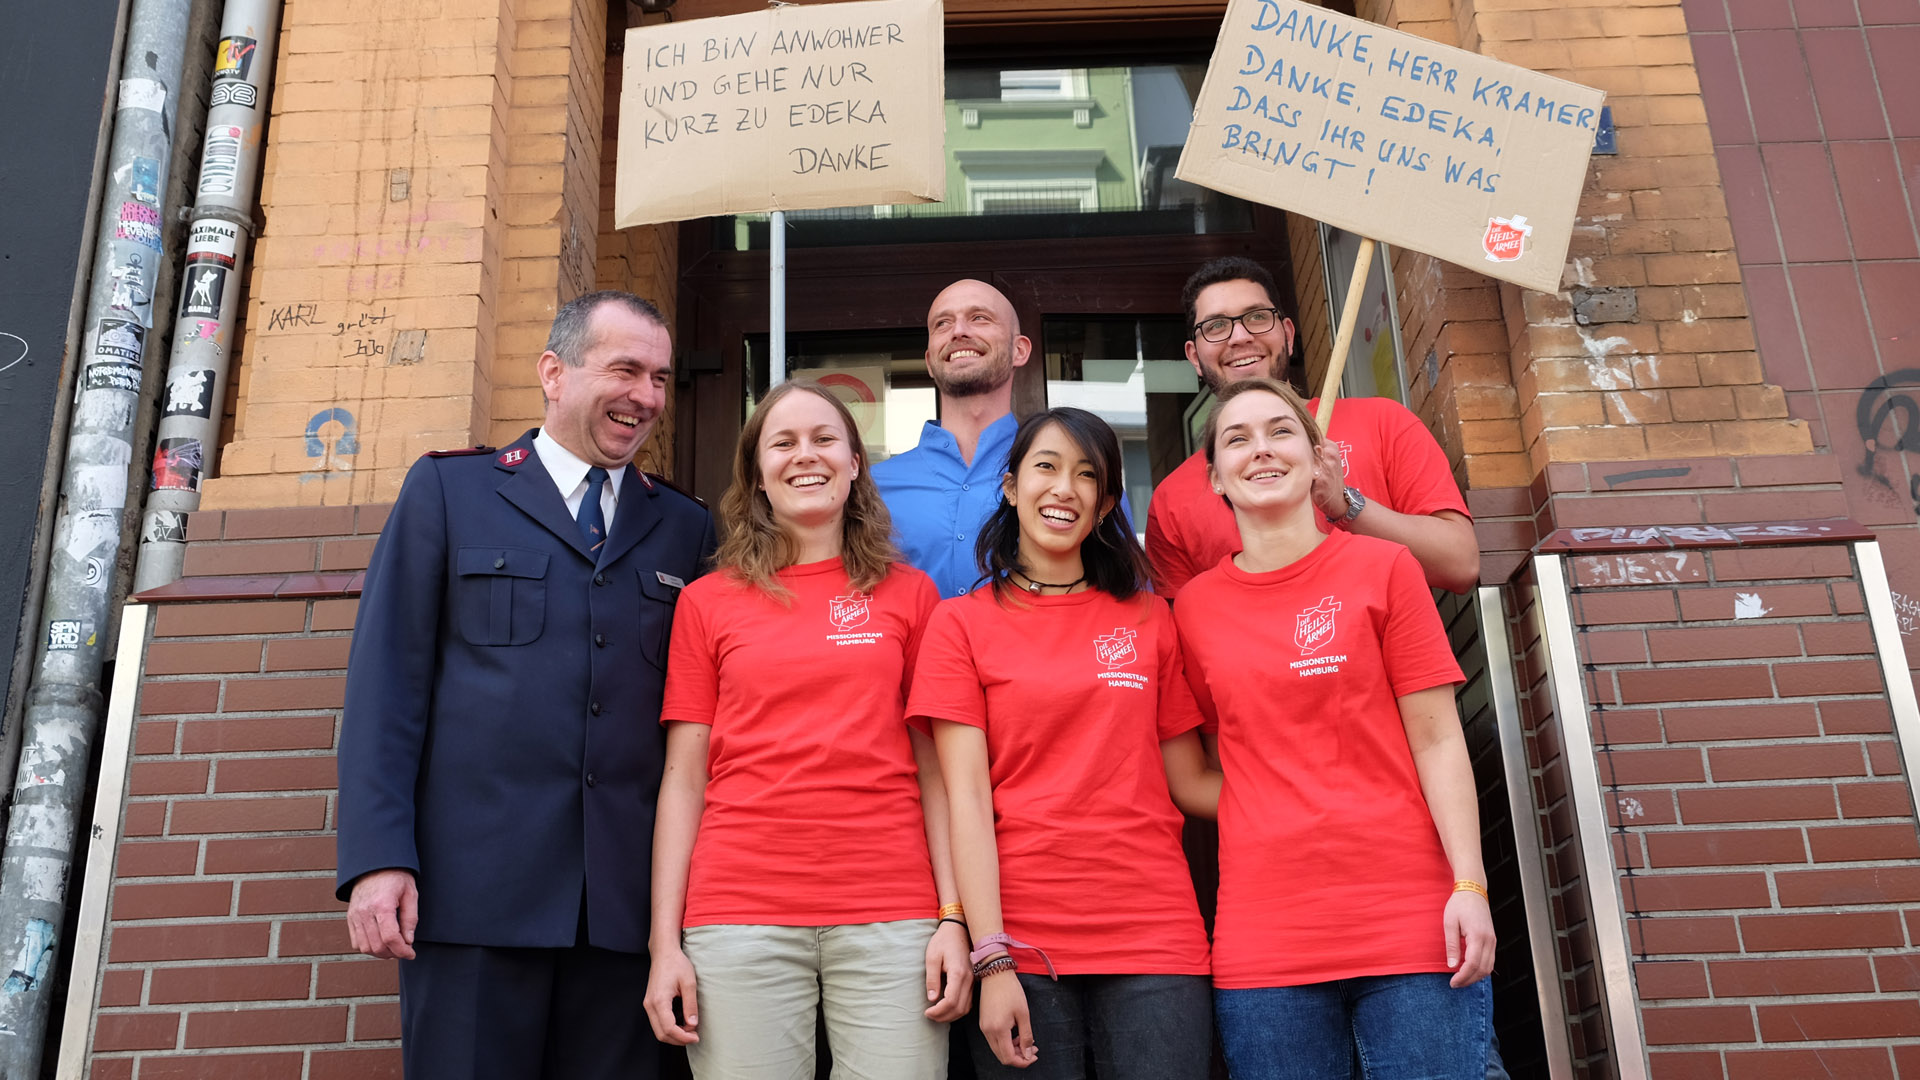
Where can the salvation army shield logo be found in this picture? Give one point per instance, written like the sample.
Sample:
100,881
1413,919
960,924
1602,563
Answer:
1115,649
849,611
1313,628
1506,238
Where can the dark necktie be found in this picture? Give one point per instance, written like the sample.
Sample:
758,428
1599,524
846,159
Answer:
593,523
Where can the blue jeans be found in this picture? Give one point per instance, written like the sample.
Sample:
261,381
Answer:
1398,1027
1115,1027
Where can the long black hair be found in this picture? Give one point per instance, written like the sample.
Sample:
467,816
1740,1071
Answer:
1110,557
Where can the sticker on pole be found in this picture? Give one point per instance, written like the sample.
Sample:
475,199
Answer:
220,162
1506,238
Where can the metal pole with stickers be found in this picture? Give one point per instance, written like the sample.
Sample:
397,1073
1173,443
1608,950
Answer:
210,287
64,702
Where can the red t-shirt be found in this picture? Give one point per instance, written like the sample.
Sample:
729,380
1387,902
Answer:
813,801
1330,864
1075,694
1389,456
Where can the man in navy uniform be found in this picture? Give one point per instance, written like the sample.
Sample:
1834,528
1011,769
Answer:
501,749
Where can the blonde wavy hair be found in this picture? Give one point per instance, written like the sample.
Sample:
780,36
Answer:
757,548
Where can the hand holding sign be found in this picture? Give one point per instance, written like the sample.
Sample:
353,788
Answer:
1391,136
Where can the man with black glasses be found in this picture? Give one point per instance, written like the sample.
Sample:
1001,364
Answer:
1381,472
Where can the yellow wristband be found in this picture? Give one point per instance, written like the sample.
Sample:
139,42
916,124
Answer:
951,911
1472,887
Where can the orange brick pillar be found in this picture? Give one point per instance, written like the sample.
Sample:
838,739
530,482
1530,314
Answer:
430,198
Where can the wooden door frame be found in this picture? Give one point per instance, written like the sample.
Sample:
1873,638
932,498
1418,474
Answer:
723,298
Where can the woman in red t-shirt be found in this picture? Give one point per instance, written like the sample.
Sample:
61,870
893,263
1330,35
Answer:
1054,693
800,850
1352,913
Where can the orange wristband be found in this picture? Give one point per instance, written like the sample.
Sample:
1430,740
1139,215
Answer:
1464,885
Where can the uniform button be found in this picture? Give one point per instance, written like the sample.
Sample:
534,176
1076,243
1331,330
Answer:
959,536
592,780
600,640
966,487
599,579
959,590
499,562
594,708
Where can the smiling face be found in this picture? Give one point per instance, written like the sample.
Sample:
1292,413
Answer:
807,462
1055,492
603,407
1242,355
973,344
1263,457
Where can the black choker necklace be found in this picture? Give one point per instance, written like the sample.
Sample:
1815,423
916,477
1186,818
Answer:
1035,586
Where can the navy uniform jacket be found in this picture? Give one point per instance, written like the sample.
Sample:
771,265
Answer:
502,734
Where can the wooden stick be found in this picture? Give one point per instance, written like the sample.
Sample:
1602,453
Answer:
1349,316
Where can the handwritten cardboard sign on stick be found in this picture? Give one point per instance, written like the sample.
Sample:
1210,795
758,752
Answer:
791,108
1393,137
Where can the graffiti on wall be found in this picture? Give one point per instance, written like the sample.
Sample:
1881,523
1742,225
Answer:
1889,421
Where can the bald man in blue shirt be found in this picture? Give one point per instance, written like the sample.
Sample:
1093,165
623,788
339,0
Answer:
942,491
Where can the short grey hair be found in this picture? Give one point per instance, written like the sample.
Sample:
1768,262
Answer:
572,336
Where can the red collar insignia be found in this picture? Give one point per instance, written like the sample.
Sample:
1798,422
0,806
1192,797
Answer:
513,457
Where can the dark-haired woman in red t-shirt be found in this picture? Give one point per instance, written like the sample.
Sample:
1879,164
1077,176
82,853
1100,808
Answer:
1054,693
1352,915
799,851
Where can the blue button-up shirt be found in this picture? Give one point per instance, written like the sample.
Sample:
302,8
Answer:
940,502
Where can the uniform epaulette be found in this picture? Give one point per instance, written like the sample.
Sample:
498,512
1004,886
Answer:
671,486
462,452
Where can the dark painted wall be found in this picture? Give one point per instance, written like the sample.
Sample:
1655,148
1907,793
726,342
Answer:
54,67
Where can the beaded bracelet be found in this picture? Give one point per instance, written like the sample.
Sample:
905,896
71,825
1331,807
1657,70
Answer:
995,966
1472,887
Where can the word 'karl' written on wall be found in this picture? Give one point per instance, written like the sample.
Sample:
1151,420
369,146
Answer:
1395,137
789,108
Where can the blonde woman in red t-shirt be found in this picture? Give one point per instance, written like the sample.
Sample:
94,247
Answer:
1054,693
800,863
1352,917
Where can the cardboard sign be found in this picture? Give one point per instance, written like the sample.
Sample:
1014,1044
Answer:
792,108
1394,137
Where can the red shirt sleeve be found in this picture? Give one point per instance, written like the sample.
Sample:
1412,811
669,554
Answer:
1178,712
1413,643
1419,479
1196,681
693,668
946,684
920,601
1167,557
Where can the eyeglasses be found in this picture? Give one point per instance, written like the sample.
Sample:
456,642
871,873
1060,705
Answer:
1258,321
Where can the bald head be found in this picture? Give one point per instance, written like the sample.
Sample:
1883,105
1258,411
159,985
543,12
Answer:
973,340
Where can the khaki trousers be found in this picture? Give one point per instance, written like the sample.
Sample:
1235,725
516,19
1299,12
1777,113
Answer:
757,988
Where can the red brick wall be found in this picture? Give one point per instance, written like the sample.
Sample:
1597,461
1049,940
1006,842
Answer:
1764,840
1814,109
225,953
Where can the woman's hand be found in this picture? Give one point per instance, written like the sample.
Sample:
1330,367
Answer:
1003,1007
1469,929
949,973
672,977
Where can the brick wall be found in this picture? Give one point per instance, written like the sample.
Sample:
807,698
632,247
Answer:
1764,836
225,954
1815,120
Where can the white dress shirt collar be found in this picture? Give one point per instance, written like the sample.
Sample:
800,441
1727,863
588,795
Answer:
570,473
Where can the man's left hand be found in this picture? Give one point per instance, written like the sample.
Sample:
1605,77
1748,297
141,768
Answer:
1330,481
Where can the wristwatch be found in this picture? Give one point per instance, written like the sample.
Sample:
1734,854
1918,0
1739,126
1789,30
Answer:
1356,502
